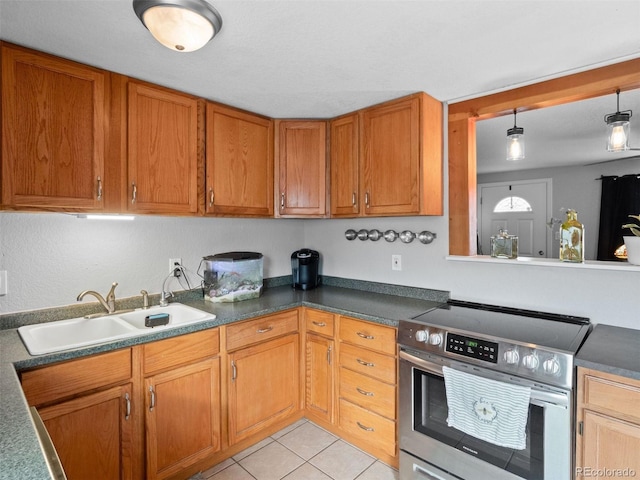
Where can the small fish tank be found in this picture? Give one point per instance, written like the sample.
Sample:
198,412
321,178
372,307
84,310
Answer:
232,276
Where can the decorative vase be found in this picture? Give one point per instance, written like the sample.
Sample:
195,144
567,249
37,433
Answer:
572,239
633,249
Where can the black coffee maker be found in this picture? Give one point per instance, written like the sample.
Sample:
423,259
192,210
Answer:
304,269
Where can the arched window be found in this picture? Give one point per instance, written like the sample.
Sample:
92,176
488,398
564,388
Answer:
512,204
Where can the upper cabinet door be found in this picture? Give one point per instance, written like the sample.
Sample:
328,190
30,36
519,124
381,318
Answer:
239,164
344,166
302,168
164,150
401,154
53,130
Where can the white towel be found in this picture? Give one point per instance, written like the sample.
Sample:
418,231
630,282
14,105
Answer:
492,411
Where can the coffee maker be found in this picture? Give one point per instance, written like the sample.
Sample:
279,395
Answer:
304,269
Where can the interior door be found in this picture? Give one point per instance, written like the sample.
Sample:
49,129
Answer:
520,207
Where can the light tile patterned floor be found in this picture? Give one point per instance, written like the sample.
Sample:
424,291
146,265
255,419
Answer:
302,451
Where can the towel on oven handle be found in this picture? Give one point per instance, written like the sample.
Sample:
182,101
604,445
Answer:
492,411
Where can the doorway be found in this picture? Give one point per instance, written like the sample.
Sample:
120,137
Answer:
522,208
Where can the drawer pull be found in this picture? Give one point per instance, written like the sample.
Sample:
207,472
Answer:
152,403
368,429
364,392
319,324
365,336
366,364
127,402
264,330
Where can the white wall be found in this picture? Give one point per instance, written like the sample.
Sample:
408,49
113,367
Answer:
50,258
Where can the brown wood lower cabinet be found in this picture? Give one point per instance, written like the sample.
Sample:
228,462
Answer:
93,434
608,419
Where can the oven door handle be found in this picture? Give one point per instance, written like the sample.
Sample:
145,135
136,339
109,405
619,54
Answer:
423,364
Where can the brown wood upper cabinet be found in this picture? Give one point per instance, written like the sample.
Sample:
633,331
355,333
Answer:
345,166
301,166
239,164
165,146
53,132
401,157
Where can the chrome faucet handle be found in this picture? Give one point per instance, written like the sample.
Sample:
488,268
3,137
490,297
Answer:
111,297
145,298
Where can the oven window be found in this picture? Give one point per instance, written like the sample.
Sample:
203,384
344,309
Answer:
430,418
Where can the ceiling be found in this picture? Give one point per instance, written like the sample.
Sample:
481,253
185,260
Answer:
319,59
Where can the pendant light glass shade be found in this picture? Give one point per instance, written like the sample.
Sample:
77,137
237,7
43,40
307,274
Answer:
515,141
181,25
618,127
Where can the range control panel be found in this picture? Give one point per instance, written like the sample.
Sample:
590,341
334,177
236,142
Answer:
472,347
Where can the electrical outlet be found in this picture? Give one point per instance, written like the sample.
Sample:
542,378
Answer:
3,282
396,262
173,263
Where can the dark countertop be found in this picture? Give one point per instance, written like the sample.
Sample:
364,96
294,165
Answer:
20,454
613,350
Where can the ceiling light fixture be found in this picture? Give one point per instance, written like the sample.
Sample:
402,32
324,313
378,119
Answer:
181,25
515,141
618,128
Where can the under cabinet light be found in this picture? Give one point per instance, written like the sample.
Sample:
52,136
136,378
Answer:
90,216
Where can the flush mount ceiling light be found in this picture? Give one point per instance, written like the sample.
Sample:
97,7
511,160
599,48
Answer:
618,128
181,25
515,141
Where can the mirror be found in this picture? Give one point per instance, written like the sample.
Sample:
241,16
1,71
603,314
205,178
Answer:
462,120
565,145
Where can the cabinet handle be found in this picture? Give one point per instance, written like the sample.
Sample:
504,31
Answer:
282,201
234,371
368,429
329,354
366,199
353,199
319,324
365,336
264,330
152,403
366,364
134,192
211,197
99,188
127,403
364,392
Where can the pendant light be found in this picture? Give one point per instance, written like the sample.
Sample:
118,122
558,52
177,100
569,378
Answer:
618,128
180,25
515,141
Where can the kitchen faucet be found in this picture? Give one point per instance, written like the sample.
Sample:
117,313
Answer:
165,294
109,303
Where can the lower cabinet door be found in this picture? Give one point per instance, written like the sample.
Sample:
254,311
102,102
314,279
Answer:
182,417
93,434
319,359
263,386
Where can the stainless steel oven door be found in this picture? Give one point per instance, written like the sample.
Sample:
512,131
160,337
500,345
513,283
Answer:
424,433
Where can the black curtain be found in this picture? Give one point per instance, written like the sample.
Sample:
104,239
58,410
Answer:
620,198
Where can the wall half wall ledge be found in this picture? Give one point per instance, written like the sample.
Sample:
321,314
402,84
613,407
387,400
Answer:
547,263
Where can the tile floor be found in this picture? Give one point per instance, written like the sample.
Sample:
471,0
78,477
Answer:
302,451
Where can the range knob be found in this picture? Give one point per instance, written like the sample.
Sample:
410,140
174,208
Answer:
511,357
530,361
422,336
435,339
551,366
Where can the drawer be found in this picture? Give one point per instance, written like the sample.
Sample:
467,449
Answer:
369,393
376,365
55,382
610,393
374,429
319,322
261,329
369,335
180,350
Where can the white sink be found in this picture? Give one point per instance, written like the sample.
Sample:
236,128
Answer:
81,332
178,315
